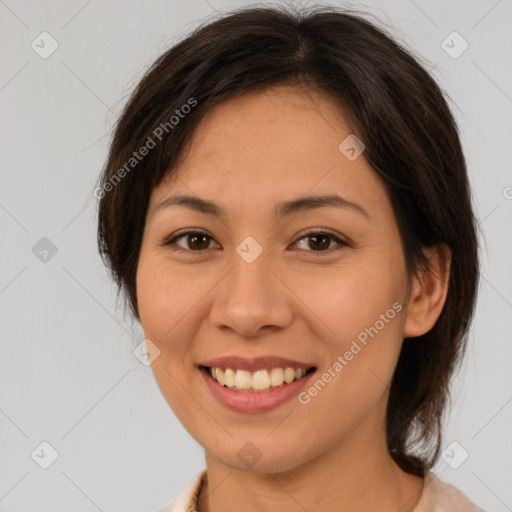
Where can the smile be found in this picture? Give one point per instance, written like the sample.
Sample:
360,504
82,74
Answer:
255,389
257,381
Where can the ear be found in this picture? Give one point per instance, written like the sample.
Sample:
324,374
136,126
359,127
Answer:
428,292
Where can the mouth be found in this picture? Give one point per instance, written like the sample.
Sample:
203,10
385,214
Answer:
254,385
260,381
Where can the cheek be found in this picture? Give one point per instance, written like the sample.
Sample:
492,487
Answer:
351,297
166,295
168,305
362,307
355,381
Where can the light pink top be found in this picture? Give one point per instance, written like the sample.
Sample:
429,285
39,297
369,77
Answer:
437,496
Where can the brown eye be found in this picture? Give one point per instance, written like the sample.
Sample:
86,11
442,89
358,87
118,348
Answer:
321,241
198,241
195,241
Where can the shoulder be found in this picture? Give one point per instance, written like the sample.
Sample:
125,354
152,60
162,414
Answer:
187,499
439,496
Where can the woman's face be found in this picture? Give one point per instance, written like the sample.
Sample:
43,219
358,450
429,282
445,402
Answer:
260,280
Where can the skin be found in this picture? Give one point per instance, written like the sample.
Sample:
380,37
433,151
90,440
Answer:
293,301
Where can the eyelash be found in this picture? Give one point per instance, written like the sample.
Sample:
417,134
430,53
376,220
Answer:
172,241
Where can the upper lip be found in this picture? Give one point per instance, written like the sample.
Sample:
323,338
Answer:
253,364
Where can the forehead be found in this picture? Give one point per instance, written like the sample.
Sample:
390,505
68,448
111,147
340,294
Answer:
267,145
280,120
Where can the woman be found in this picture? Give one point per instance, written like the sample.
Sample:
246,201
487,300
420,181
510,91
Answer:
286,207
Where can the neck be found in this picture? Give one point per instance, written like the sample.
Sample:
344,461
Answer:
349,477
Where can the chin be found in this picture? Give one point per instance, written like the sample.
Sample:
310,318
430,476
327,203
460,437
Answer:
261,457
275,465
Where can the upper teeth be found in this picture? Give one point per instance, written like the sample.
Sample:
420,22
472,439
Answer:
258,380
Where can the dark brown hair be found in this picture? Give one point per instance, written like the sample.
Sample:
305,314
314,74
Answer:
394,106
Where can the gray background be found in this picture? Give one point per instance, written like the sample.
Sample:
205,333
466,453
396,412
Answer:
68,375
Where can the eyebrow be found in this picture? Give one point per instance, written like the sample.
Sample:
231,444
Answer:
280,210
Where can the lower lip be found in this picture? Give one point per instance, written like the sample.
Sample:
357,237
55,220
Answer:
250,402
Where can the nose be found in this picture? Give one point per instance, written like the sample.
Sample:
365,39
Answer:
251,298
